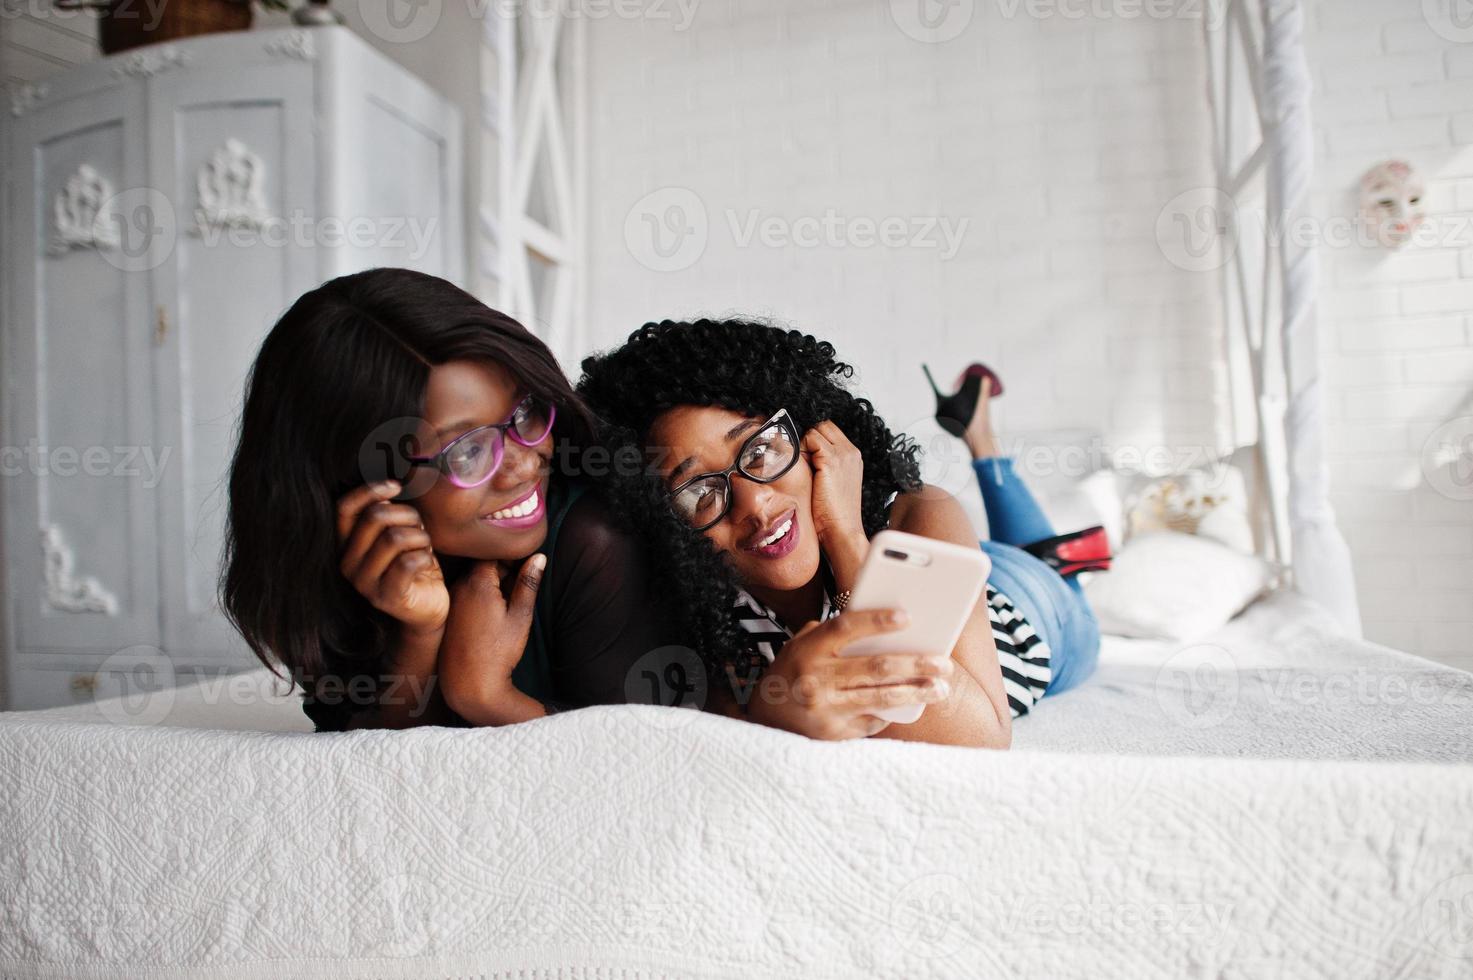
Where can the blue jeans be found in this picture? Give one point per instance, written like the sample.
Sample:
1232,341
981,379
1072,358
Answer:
1054,605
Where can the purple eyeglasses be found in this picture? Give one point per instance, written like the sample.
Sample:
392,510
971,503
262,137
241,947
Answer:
471,459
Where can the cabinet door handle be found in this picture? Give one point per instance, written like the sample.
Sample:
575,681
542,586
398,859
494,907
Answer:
160,326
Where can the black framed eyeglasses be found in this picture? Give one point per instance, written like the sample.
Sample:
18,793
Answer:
704,500
472,458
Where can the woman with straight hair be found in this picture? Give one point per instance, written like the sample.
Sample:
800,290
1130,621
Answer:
400,536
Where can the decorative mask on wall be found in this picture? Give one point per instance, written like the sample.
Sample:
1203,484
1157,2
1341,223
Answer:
1392,202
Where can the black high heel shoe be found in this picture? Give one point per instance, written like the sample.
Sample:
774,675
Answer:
954,411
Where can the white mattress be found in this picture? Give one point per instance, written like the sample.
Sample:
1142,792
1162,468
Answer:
1279,681
630,842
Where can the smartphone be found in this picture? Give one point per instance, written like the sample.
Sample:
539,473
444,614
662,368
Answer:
936,582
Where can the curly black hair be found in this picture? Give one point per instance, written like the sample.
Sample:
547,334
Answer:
745,366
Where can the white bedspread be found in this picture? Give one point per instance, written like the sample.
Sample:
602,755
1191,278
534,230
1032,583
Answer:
606,843
642,842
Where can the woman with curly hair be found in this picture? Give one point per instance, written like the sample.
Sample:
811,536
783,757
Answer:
767,477
394,502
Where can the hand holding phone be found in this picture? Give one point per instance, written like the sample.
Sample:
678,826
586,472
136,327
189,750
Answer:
812,690
937,583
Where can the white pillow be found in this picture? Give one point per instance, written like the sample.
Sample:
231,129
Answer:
1166,585
1211,502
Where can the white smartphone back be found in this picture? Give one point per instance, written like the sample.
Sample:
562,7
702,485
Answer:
936,582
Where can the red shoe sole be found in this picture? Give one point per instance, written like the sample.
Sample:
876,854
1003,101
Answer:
1074,568
1092,547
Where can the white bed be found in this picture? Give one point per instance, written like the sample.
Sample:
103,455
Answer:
1116,840
1279,681
1273,798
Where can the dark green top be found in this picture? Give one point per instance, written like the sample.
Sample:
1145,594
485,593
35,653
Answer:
533,674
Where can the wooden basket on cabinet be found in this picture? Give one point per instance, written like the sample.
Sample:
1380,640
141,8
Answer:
124,24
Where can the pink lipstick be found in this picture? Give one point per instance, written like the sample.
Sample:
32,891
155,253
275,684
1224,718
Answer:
778,540
527,511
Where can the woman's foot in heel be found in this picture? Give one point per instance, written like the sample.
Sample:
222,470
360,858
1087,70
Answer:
979,436
965,413
954,411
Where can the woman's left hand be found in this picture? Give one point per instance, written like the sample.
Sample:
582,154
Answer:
838,484
485,638
838,480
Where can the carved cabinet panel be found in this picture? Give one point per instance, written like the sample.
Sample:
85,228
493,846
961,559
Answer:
228,147
81,527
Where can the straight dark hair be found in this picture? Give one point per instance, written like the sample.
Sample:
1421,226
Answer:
349,357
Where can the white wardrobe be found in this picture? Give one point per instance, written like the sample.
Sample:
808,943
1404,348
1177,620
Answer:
162,208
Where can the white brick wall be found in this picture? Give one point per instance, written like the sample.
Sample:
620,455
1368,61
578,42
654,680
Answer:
1056,140
1398,335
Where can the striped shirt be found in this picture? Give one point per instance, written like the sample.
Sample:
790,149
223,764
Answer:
1021,653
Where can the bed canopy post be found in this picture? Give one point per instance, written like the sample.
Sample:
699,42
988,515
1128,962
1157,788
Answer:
1320,558
1259,93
